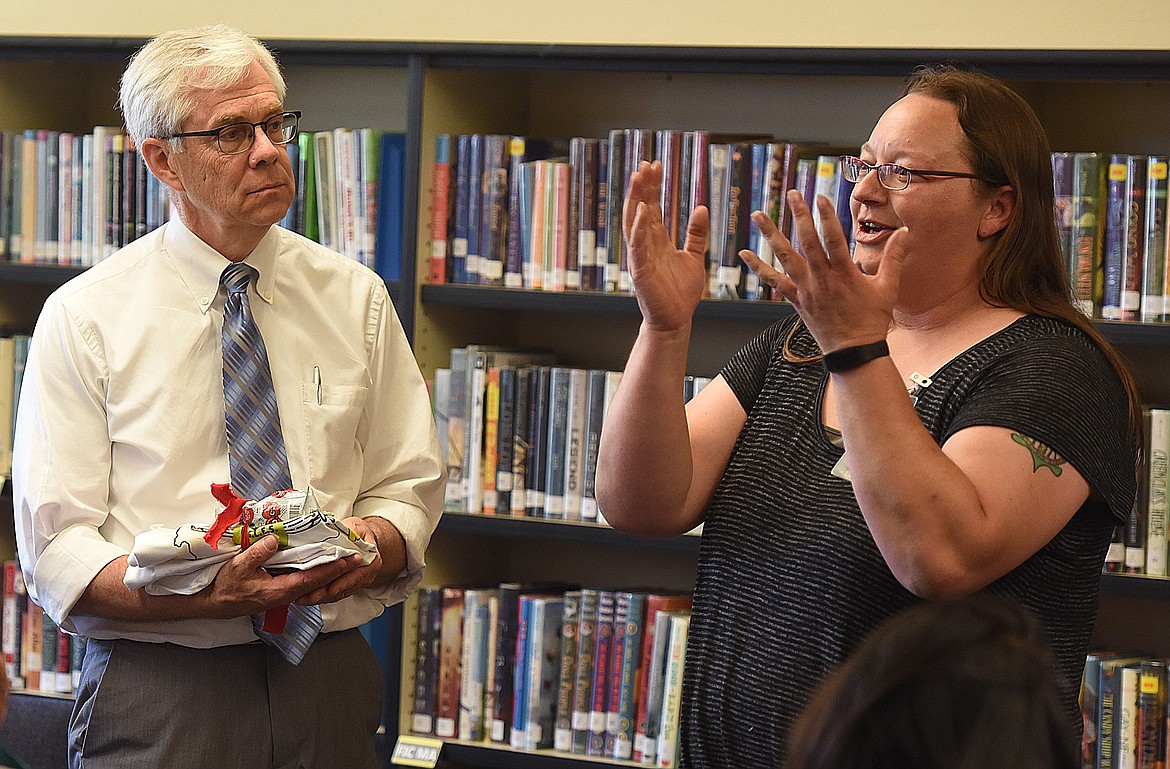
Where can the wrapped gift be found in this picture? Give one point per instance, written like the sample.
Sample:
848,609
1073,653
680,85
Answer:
183,561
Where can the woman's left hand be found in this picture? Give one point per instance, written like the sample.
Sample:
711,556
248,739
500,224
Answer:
841,305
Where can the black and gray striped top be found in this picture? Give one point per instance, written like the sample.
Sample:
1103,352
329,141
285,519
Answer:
790,580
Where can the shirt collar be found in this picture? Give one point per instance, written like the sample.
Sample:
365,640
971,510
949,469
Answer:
199,265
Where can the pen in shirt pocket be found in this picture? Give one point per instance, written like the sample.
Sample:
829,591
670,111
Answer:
317,382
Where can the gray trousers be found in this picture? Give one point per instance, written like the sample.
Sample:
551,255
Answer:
162,706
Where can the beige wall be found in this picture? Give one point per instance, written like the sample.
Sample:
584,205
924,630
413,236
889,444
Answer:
906,23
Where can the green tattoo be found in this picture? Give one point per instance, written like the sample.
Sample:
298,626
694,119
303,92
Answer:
1042,456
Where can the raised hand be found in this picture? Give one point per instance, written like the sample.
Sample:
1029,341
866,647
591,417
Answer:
668,281
841,305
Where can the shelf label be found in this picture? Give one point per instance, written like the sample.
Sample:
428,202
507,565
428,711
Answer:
410,750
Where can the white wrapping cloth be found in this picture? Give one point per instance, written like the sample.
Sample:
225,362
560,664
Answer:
167,561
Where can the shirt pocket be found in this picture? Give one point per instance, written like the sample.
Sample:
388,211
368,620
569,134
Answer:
332,416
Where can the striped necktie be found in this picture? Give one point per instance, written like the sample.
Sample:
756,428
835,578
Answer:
256,453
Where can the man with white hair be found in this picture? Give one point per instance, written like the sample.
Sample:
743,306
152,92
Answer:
122,427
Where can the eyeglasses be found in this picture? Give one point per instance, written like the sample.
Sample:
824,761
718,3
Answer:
237,138
896,177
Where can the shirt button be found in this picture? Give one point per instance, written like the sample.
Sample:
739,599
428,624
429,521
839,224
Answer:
203,302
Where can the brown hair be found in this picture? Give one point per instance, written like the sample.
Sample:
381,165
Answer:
1024,269
964,684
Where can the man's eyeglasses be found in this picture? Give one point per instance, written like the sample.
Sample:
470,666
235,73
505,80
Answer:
896,177
237,138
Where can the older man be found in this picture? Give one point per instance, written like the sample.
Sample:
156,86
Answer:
132,406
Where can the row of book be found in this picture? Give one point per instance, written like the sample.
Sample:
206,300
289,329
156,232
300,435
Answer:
1123,702
1142,545
586,671
75,199
545,214
1111,216
38,655
520,434
13,353
349,194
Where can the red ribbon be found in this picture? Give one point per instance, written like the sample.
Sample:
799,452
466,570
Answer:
276,617
228,517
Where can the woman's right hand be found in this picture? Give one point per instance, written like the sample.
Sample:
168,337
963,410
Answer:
668,281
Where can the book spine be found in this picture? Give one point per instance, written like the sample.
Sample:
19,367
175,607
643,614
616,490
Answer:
594,412
473,664
440,210
520,445
583,685
514,251
491,441
668,152
456,427
544,668
602,216
1117,218
615,195
585,222
476,205
450,661
1158,473
1133,243
425,660
639,148
10,612
575,443
505,439
574,193
1109,714
718,158
1125,736
621,610
1088,222
520,678
672,692
1151,713
599,696
493,220
462,211
1154,240
565,276
629,682
536,474
500,717
473,432
556,446
567,673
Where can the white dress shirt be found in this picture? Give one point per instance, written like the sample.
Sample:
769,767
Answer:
121,422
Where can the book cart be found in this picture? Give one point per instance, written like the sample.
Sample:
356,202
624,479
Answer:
424,89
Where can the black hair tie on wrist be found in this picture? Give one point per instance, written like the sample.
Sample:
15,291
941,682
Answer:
852,357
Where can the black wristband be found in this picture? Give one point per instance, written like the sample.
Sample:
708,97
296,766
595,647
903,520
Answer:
852,357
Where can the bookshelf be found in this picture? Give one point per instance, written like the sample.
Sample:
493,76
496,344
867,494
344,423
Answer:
425,88
832,95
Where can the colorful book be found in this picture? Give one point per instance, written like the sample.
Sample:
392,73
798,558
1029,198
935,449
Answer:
426,660
442,206
672,691
474,662
583,686
544,655
450,662
567,673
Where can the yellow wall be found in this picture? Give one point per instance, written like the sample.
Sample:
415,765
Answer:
801,23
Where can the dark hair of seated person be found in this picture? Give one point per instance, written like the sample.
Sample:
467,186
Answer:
965,684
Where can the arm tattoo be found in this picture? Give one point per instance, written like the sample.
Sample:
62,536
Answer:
1042,456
